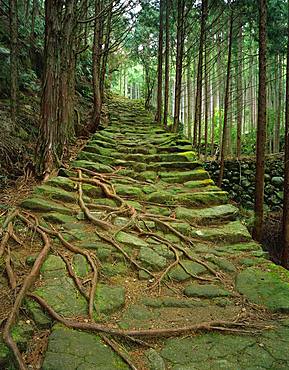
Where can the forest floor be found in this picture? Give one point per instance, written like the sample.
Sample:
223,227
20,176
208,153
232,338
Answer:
143,264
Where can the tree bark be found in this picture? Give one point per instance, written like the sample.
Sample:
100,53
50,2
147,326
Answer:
285,223
167,64
226,105
158,117
96,62
199,93
179,62
239,91
261,124
57,102
13,59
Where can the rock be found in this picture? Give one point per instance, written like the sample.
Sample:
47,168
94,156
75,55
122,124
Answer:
130,240
63,296
80,265
43,205
41,319
222,263
77,350
202,199
264,288
207,215
53,267
179,274
58,218
198,184
114,269
97,167
156,362
132,191
277,181
55,193
183,176
205,291
109,299
232,232
62,182
152,259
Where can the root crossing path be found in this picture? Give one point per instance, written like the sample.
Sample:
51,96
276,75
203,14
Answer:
132,258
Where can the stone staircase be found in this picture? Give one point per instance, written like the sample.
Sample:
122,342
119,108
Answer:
177,256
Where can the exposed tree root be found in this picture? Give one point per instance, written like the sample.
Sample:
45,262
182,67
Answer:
27,284
119,248
119,350
104,225
6,238
9,270
150,333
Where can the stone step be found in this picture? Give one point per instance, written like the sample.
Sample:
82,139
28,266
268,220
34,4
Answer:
206,216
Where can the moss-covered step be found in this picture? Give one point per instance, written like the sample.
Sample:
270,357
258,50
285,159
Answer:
210,198
74,350
96,158
55,193
217,351
199,183
172,166
231,232
97,167
266,288
183,176
45,205
207,215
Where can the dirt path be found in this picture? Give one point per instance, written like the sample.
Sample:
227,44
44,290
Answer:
148,251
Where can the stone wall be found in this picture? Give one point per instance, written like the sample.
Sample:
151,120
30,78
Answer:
239,181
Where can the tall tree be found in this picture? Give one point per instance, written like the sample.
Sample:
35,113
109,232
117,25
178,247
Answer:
158,117
13,58
179,61
56,121
167,64
198,103
261,123
226,103
96,63
285,249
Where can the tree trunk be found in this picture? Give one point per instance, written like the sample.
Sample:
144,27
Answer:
96,61
285,249
179,62
167,64
261,125
189,98
105,50
226,105
13,60
158,117
239,91
56,121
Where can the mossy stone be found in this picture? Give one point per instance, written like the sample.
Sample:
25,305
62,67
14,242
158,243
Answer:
264,288
109,299
156,362
62,182
97,167
58,218
232,232
178,273
130,240
80,265
152,259
55,193
205,291
76,350
43,205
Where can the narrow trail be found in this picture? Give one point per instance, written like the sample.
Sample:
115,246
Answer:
147,259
